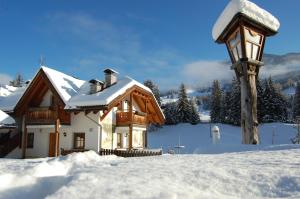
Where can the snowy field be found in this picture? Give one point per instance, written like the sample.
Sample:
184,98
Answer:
196,138
261,174
265,171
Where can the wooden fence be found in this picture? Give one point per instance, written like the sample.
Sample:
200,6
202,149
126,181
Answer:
67,152
130,153
121,153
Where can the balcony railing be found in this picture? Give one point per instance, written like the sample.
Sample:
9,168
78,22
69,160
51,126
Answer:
47,116
124,118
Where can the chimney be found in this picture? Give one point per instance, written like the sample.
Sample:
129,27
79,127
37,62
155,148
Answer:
110,77
96,86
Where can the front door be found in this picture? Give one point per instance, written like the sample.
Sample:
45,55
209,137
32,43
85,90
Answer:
52,145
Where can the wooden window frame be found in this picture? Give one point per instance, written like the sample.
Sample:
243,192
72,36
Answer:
30,140
80,135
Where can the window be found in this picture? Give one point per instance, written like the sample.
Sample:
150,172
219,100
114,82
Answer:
30,139
79,140
235,47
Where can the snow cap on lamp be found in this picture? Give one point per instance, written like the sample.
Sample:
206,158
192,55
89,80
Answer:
249,10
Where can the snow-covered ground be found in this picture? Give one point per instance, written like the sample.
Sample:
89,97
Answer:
261,174
265,171
196,138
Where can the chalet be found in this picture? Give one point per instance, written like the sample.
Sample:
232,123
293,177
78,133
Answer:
59,112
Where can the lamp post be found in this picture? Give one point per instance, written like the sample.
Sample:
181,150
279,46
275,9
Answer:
243,27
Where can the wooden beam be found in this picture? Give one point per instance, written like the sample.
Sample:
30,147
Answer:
86,112
105,113
146,111
24,145
57,123
131,119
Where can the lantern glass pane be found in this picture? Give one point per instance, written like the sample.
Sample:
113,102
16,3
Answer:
255,52
235,39
252,36
239,49
249,50
235,54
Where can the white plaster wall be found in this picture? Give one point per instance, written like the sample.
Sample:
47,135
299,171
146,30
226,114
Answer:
46,99
108,126
82,124
137,137
40,142
65,142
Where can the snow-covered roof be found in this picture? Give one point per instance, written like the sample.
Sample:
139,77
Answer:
66,86
9,97
107,95
6,120
75,92
247,8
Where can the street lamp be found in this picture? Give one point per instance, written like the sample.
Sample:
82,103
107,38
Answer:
243,27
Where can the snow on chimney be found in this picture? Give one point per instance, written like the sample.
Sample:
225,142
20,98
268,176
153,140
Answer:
96,86
111,77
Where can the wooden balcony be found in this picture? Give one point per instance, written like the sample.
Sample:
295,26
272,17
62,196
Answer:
124,119
47,116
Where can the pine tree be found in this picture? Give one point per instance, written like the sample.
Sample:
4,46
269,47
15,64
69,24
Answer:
225,107
274,102
183,106
235,103
170,112
261,111
296,102
155,90
194,115
216,97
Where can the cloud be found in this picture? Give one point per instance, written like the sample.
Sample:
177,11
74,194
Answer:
4,79
105,43
280,68
202,73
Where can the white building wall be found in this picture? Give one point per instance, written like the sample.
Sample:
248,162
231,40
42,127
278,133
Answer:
137,137
108,130
82,124
40,142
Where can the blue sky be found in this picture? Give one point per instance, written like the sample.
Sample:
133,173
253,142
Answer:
168,41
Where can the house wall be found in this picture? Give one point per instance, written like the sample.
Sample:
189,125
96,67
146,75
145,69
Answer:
82,124
108,128
40,142
47,99
138,137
